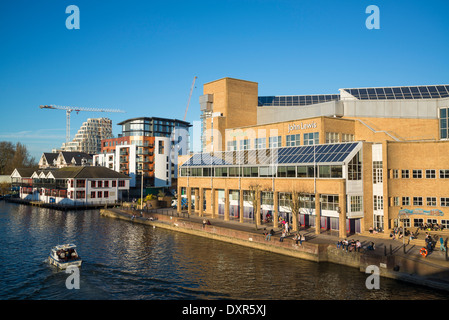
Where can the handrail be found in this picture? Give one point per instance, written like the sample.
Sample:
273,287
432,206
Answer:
378,131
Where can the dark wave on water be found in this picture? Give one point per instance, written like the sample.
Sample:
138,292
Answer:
127,261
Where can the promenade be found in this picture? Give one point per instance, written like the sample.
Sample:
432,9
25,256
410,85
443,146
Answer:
407,265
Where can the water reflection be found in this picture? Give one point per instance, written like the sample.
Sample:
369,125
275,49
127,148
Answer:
125,260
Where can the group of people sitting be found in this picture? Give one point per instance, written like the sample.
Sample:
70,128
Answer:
431,226
353,245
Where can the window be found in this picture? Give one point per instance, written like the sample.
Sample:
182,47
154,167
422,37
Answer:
289,172
267,198
405,174
100,184
417,222
378,202
355,168
332,137
329,202
405,201
311,138
244,144
161,147
444,202
114,183
417,174
106,184
305,171
232,146
121,183
430,174
347,137
431,201
100,194
444,114
92,194
92,184
260,143
356,203
445,223
293,140
417,201
221,172
106,194
396,201
377,172
285,199
444,174
80,183
275,142
395,173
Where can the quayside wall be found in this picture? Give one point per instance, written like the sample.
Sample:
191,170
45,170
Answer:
390,266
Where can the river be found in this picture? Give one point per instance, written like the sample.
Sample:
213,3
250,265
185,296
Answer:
127,261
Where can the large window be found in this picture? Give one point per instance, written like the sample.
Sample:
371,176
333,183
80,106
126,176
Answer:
260,143
311,138
356,203
378,202
355,168
377,172
275,142
329,202
293,140
444,115
244,144
332,137
232,146
288,171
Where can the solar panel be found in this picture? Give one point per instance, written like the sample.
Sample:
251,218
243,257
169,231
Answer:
325,153
296,100
406,92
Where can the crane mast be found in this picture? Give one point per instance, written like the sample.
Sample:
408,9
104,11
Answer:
190,96
69,110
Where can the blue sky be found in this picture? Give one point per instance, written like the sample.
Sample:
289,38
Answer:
141,56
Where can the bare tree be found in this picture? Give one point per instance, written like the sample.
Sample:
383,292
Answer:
295,206
14,156
254,199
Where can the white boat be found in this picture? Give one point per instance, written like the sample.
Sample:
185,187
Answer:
64,256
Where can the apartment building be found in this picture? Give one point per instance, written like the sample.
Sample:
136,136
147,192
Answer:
147,149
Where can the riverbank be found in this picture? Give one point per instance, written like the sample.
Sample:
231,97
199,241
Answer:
392,262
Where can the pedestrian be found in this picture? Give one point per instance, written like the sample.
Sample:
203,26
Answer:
281,239
358,245
442,247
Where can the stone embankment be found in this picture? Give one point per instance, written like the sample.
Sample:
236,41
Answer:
396,265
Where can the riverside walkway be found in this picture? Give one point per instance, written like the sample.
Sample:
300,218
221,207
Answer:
407,265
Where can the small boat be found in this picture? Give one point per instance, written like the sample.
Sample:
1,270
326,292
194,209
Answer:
64,256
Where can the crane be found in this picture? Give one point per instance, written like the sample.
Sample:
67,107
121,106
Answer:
190,96
69,111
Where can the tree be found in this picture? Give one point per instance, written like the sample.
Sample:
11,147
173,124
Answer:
295,207
14,156
254,199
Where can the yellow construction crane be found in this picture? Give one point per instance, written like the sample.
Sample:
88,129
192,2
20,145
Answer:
69,111
190,96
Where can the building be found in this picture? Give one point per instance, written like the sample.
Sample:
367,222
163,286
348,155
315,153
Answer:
71,185
64,159
89,136
147,147
364,158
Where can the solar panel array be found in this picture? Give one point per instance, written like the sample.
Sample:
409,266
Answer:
324,153
392,93
303,100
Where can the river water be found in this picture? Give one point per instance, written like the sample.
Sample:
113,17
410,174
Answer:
127,261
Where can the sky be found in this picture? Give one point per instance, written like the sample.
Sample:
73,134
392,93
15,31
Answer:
141,56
